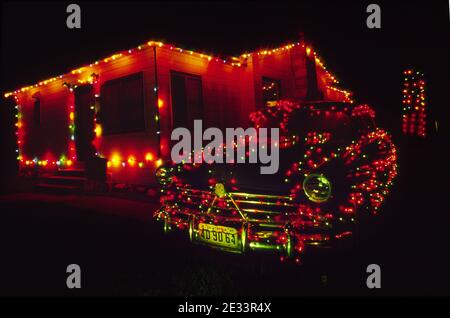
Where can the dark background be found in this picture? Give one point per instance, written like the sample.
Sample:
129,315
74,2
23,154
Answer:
36,45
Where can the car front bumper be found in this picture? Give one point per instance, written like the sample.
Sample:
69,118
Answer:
254,221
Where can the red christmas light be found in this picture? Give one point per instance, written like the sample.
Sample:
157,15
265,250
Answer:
414,104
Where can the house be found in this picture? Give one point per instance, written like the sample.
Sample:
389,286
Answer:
123,108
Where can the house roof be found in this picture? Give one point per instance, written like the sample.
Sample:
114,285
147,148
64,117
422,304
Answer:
233,61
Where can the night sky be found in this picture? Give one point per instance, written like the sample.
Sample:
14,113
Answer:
36,44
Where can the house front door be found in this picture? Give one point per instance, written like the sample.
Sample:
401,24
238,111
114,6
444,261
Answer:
84,122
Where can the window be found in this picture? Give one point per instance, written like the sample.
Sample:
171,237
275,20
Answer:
270,91
187,100
122,105
37,111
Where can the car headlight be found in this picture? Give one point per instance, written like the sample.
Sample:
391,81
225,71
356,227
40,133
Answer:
317,187
164,177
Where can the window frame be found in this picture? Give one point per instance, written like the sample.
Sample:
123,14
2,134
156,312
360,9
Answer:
122,130
186,76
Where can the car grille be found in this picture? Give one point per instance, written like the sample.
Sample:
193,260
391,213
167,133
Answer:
238,205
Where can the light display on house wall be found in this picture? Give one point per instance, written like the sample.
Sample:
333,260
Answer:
88,75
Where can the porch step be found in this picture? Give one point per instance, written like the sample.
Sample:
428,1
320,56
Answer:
64,181
79,178
58,188
71,173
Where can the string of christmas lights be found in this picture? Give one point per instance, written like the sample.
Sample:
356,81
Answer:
233,61
89,69
309,50
19,129
414,104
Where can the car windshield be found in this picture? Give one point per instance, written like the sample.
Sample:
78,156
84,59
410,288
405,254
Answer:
301,120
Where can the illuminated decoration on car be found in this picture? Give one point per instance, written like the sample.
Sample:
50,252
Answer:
219,190
371,175
317,187
164,176
314,138
379,169
368,164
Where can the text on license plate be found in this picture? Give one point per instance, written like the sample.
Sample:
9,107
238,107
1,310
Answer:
218,235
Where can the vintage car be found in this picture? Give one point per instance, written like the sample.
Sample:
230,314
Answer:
335,166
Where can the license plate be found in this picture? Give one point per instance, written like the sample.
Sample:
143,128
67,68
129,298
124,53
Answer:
218,235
